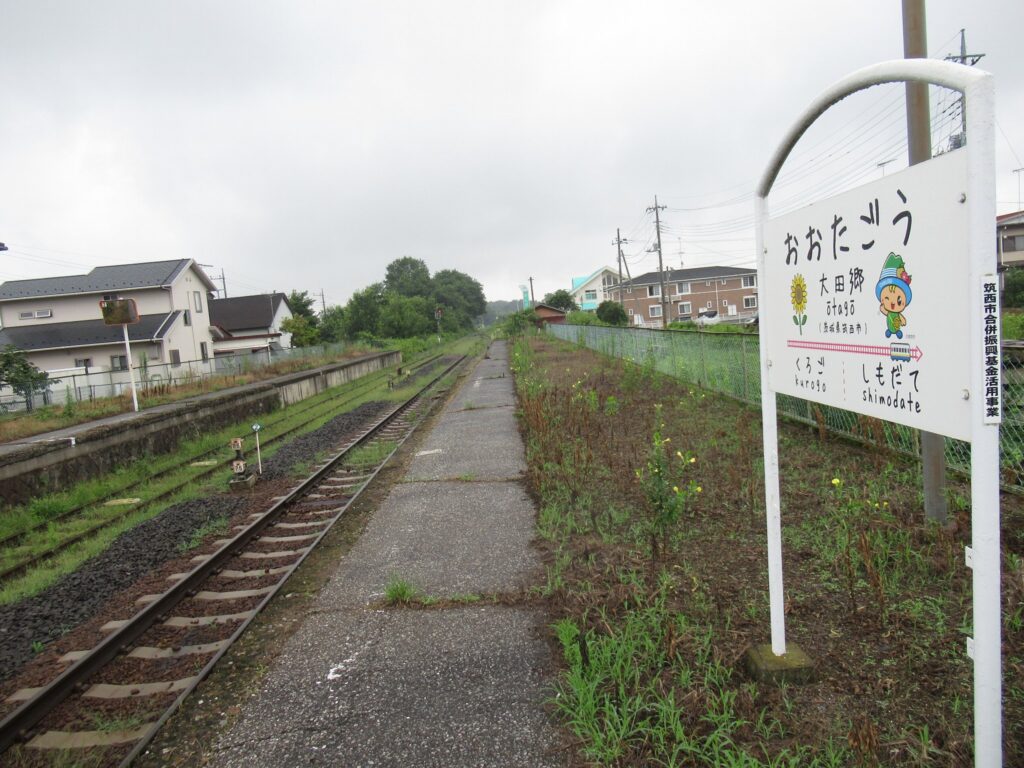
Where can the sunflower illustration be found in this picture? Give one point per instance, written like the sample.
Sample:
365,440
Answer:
798,297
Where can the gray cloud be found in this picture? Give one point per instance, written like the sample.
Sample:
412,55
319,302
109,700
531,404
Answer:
306,145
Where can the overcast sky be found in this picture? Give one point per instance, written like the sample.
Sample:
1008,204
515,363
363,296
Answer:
304,145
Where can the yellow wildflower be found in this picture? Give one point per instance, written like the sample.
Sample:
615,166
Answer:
693,459
836,482
699,489
675,489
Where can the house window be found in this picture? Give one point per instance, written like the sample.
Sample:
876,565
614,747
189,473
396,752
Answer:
590,295
197,300
110,297
654,310
750,281
707,283
83,362
35,314
175,357
654,290
187,317
710,304
1013,243
629,291
118,363
684,308
725,302
204,351
724,281
631,313
682,289
749,302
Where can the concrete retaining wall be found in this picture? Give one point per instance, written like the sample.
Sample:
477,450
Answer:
54,464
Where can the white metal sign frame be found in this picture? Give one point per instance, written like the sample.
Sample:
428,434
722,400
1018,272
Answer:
983,556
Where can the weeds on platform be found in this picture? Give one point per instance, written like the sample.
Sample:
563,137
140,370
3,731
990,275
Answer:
650,517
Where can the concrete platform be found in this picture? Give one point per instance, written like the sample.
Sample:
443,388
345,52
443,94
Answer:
457,686
447,538
480,444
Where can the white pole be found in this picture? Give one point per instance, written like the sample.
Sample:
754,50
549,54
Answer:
986,555
259,459
131,369
769,430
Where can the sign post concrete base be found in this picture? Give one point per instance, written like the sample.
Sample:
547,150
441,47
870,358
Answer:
794,667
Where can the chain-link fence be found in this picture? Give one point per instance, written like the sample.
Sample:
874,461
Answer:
730,363
79,384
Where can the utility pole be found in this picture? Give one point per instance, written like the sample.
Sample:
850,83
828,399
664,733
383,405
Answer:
963,58
618,243
1018,171
919,139
533,299
661,269
223,284
323,303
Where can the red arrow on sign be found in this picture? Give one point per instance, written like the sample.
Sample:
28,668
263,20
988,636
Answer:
894,351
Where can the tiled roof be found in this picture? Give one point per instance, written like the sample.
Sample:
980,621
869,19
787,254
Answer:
119,277
243,312
84,333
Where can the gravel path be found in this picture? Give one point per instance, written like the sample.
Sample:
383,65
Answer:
77,597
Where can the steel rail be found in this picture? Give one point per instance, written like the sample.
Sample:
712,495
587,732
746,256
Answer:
17,725
21,567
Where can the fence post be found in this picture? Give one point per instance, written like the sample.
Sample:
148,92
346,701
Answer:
743,358
703,362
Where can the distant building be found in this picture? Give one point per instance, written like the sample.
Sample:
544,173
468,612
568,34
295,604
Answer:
250,324
731,292
589,291
57,320
548,314
1010,239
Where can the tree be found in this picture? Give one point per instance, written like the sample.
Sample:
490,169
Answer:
20,375
611,312
332,325
561,299
1013,288
407,277
403,317
304,332
461,296
362,313
301,304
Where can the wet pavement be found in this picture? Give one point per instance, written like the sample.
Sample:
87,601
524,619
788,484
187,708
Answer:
461,684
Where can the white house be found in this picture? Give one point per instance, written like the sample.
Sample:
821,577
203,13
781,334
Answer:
57,320
250,324
589,291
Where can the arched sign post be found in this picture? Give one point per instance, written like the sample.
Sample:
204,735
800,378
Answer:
884,301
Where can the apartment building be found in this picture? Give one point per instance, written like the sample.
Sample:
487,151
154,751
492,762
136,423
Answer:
731,292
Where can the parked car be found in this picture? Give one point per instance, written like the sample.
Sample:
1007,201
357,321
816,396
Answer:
709,317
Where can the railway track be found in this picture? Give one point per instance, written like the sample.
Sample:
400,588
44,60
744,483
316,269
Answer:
316,411
149,663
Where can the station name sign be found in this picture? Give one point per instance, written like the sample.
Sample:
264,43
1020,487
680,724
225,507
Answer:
868,292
